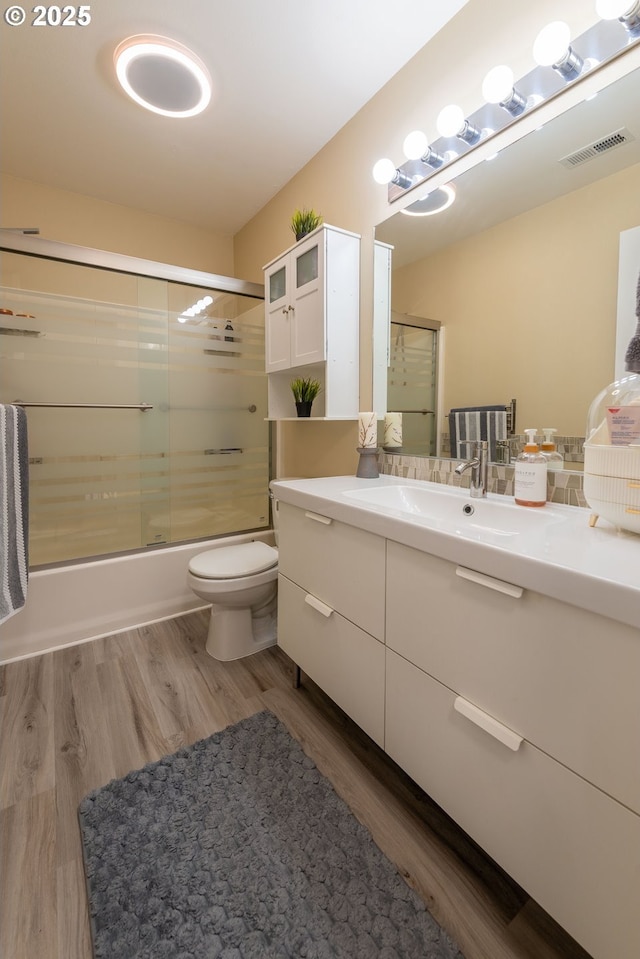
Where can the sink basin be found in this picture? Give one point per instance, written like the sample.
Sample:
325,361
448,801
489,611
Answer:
455,510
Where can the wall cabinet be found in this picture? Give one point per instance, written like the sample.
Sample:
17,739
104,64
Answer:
312,318
516,712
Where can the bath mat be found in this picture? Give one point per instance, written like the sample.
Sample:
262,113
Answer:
238,848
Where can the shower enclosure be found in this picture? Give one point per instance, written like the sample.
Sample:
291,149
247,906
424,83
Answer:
412,380
145,394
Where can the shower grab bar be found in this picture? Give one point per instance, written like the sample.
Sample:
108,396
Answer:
143,407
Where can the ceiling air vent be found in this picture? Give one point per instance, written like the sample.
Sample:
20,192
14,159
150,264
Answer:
610,142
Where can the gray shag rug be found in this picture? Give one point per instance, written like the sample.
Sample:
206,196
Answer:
238,848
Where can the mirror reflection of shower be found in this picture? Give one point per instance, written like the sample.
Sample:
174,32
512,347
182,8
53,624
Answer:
412,386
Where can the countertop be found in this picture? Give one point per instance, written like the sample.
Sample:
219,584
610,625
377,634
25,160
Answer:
595,568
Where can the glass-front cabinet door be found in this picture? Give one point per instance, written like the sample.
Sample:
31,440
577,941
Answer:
308,344
278,317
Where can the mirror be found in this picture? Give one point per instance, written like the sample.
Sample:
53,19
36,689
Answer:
521,271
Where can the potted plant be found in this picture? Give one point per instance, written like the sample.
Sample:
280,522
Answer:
304,393
304,221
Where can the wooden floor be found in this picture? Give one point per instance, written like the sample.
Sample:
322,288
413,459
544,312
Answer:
73,719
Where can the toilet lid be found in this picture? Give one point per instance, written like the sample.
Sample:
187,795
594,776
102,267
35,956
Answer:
229,562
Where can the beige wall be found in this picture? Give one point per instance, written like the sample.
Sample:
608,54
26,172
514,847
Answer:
85,221
338,181
529,307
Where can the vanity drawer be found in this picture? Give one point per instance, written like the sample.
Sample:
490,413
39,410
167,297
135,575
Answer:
574,849
341,565
342,659
565,679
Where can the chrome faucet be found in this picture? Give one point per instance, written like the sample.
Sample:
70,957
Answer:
478,465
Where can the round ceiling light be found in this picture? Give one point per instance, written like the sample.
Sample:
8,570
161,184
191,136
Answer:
435,202
162,75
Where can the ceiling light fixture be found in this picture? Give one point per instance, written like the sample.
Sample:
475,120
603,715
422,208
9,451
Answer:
162,75
434,202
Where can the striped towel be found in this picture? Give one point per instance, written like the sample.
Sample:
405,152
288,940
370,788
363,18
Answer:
476,423
14,510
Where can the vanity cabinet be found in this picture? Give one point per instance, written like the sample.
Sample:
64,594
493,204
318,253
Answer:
312,318
564,678
516,712
519,715
331,610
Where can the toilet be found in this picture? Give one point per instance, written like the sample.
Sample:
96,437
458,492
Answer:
240,582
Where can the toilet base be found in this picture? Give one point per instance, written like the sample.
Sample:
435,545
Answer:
234,633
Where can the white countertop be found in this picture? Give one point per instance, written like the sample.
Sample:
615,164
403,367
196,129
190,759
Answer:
595,568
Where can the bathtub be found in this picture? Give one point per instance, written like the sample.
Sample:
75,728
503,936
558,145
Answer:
67,605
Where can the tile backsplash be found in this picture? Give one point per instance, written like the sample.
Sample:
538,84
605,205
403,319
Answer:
564,486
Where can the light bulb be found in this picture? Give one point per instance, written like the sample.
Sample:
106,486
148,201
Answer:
450,120
415,145
613,9
497,86
552,43
384,171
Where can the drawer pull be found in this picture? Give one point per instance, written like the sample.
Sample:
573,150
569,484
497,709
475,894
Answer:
315,603
319,519
490,725
501,587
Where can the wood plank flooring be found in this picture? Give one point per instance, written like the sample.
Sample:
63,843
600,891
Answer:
72,720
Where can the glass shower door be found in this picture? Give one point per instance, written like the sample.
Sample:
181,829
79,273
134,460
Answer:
412,381
146,424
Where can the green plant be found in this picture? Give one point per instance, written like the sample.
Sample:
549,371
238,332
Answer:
304,221
305,390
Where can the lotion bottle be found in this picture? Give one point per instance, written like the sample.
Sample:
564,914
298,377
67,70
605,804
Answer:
549,449
530,483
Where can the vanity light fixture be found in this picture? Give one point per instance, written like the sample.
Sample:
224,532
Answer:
627,13
434,202
570,59
385,171
498,87
451,122
552,48
162,75
416,147
194,310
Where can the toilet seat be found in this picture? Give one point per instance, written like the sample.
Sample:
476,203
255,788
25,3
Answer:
234,562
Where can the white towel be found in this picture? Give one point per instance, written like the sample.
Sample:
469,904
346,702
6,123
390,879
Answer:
14,510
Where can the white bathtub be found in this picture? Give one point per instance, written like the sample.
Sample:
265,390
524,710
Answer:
67,605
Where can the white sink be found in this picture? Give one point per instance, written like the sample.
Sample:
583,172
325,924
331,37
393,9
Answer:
455,510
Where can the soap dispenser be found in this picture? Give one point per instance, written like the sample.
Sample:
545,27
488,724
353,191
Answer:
549,449
530,482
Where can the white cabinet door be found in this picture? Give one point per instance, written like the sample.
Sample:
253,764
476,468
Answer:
308,341
572,847
341,658
295,307
278,314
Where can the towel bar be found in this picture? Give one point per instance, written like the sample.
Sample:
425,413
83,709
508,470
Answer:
143,407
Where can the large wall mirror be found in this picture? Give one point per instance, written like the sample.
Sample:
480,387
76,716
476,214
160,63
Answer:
520,274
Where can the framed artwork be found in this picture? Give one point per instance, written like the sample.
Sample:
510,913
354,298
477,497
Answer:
628,272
